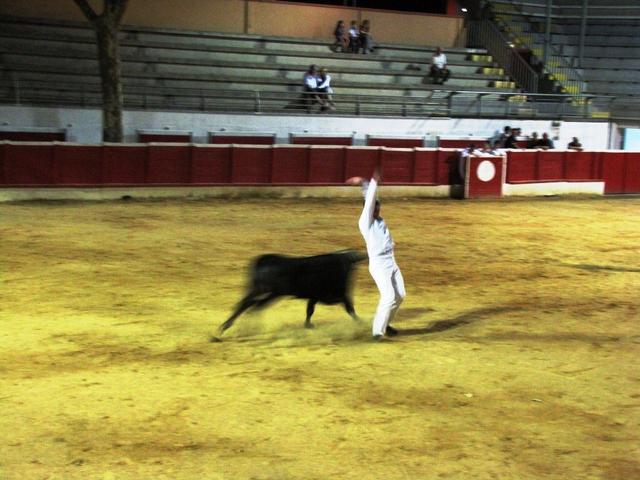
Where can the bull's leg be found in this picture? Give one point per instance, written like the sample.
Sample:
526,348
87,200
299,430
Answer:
246,303
348,306
263,302
311,306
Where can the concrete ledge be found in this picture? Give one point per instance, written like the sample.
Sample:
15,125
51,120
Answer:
120,193
552,188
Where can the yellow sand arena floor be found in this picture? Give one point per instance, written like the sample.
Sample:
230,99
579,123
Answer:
518,357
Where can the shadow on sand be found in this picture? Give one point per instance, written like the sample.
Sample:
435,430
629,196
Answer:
459,321
608,268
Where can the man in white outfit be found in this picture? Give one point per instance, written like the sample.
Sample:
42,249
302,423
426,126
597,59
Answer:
382,264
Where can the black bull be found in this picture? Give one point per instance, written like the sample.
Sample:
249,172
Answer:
321,278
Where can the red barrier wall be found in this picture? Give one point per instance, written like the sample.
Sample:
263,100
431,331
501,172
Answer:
22,136
29,165
167,164
3,155
74,165
632,174
311,140
290,165
621,172
251,164
124,164
395,142
57,164
533,166
243,139
327,165
211,165
425,168
397,165
164,137
444,142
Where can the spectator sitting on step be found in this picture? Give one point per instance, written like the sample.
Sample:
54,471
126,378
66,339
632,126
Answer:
325,90
533,140
575,144
438,70
311,94
354,37
366,42
341,42
545,142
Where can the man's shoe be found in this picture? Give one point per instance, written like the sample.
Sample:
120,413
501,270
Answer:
390,331
377,338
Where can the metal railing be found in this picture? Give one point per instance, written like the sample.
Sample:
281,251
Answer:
440,102
554,63
485,33
593,12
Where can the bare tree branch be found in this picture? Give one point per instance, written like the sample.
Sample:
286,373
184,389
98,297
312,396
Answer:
122,6
87,10
115,9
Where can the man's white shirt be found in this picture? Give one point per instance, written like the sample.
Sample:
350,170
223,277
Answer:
375,232
439,61
311,81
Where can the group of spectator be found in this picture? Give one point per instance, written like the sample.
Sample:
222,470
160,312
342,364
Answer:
512,138
354,39
317,89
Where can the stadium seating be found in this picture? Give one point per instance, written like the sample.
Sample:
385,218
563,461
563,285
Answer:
611,52
54,62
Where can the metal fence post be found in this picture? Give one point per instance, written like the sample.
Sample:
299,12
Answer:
258,103
547,32
16,89
583,31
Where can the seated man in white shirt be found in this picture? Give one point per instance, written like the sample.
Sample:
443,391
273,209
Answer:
382,264
438,70
311,94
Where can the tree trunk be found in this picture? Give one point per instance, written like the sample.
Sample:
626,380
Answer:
106,26
112,98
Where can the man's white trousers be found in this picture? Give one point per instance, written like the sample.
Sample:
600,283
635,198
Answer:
388,278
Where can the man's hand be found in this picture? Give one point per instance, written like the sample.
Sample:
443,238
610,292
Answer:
376,175
354,181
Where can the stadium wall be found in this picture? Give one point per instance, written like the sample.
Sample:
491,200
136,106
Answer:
84,125
37,169
259,17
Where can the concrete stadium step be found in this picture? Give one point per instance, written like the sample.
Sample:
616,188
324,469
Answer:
619,29
254,73
26,42
178,79
207,40
233,101
189,67
614,63
155,55
610,51
308,46
612,88
607,75
591,40
613,52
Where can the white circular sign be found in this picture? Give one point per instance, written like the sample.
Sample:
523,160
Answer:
486,171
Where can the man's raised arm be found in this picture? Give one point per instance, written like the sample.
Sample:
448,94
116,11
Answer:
366,218
370,189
